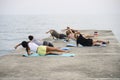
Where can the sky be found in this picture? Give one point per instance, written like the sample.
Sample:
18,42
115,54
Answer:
59,7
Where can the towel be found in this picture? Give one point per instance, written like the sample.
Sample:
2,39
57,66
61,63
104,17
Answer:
33,54
64,48
65,54
37,55
103,45
70,45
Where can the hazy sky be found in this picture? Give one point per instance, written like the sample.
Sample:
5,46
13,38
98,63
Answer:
59,6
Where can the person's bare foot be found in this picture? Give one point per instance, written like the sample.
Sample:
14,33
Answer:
67,51
108,42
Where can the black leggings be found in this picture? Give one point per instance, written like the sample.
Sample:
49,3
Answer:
48,44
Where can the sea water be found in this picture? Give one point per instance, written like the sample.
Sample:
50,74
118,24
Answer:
16,28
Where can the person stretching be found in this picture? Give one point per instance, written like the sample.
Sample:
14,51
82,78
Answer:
41,50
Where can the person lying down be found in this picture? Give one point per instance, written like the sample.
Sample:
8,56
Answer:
41,50
89,42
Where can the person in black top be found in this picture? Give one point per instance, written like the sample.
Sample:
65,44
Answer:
71,34
88,42
68,30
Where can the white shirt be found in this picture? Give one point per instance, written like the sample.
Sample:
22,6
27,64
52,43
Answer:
33,47
38,42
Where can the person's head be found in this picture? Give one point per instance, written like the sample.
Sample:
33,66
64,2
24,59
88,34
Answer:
24,44
76,34
30,37
68,27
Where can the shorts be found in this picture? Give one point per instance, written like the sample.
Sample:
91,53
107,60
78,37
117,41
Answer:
41,50
62,36
89,42
48,44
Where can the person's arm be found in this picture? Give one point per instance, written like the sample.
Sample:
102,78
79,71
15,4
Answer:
76,35
70,31
28,51
17,45
77,42
49,31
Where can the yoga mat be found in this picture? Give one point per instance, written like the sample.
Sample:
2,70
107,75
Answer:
64,48
64,54
70,45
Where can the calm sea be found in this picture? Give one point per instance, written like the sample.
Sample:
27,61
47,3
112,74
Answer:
16,28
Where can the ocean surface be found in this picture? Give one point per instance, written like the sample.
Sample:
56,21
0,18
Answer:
16,28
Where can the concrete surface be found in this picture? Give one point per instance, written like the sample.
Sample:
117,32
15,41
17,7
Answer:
89,63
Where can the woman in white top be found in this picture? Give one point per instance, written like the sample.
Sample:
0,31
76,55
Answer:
41,50
37,42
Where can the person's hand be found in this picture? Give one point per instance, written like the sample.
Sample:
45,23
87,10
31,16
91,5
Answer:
63,30
15,47
46,32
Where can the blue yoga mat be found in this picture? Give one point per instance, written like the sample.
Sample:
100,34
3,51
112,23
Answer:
103,45
65,54
64,48
36,55
70,45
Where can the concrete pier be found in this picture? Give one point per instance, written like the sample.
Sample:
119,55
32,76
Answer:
89,63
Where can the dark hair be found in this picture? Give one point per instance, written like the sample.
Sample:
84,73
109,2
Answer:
30,37
24,44
67,32
68,27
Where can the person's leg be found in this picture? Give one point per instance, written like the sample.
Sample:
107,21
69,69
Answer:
89,36
99,42
53,50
